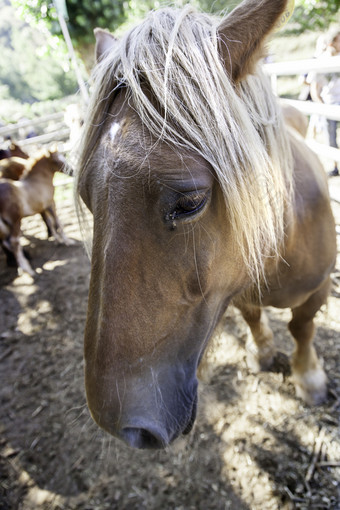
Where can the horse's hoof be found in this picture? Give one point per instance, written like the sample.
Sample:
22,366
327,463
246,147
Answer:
70,242
281,364
253,363
311,387
260,360
66,241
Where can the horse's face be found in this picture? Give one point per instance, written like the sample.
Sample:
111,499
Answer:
56,161
15,150
164,267
165,259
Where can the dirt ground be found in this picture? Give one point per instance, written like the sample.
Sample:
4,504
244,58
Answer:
254,445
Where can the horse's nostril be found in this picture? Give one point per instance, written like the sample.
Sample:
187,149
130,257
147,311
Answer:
142,438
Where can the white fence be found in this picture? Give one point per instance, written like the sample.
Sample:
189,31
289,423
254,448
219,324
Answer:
55,130
59,131
299,67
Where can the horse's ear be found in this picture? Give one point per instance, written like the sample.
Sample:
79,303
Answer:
104,41
52,148
242,34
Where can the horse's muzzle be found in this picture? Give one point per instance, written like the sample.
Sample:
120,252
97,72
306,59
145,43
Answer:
147,409
149,437
152,435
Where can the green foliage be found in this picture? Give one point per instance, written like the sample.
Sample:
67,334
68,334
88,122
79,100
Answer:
83,15
217,6
27,74
313,15
34,64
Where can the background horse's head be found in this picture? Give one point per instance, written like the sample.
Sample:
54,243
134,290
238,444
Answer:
182,168
12,150
45,162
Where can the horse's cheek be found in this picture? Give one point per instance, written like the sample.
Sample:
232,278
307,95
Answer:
218,268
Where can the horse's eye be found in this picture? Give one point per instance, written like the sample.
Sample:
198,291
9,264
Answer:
188,204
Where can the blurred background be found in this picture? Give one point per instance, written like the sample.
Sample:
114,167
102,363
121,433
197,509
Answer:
37,75
255,446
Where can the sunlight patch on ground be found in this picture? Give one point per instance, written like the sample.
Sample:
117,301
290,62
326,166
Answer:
35,496
33,320
269,419
328,319
50,265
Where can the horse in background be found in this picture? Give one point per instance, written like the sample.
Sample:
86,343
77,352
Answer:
12,168
12,161
11,150
200,198
294,118
32,194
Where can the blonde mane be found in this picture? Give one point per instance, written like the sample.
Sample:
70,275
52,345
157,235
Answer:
32,161
237,128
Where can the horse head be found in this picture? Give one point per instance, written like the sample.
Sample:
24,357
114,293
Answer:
15,150
52,160
155,292
168,253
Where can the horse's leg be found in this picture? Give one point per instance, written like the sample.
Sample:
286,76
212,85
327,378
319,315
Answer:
55,225
10,259
309,378
13,245
260,349
10,231
47,222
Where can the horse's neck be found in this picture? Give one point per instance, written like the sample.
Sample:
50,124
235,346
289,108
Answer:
40,170
36,188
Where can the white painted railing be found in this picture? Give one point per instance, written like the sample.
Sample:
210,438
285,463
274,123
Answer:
58,132
330,111
299,67
321,65
13,128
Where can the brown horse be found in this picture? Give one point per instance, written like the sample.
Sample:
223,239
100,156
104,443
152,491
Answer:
294,118
11,150
200,198
12,164
30,195
12,168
